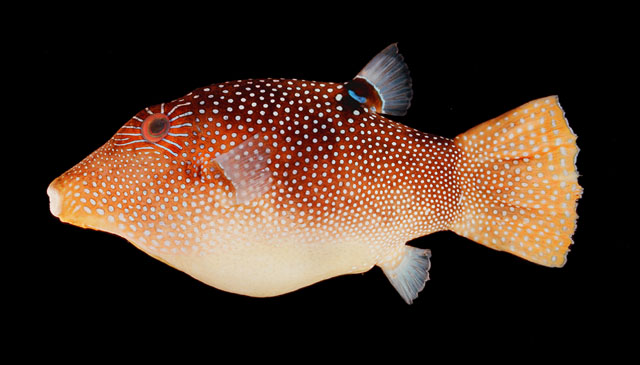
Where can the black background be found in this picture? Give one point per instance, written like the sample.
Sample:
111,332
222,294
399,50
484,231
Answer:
89,289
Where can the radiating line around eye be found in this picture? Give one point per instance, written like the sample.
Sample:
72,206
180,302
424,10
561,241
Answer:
181,115
132,142
144,148
166,148
172,142
182,125
176,107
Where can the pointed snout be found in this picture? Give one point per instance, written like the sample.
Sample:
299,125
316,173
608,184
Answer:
55,199
78,206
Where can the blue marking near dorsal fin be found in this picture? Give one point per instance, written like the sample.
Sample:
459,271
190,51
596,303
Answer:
356,97
389,75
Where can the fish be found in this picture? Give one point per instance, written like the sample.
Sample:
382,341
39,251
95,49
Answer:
261,187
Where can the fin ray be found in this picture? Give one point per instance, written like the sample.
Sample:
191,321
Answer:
520,183
389,75
411,274
246,166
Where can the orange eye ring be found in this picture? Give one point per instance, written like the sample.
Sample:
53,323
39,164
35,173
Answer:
155,127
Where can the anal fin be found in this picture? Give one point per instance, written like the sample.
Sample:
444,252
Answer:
411,273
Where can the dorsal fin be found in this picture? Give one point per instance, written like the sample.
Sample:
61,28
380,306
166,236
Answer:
246,166
389,75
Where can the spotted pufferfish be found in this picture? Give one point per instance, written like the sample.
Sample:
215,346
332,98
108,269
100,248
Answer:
261,187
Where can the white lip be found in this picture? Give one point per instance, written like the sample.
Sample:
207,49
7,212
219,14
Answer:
55,201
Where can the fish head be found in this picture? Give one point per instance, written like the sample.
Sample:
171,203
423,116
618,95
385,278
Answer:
143,172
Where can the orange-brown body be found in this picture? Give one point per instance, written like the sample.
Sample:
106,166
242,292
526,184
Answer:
261,187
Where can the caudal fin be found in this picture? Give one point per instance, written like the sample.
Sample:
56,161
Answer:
520,184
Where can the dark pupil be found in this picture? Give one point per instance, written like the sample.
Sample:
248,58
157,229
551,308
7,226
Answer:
158,126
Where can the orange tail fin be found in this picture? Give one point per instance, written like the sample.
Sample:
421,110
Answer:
520,184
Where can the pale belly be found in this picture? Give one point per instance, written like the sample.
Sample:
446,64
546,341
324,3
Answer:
272,268
260,264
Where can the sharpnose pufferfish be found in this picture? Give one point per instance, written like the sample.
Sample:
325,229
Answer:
261,187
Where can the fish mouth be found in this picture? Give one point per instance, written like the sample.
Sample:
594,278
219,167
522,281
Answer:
64,206
55,199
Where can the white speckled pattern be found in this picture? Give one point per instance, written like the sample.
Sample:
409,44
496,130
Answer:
264,186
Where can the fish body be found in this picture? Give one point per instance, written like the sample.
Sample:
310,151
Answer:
261,187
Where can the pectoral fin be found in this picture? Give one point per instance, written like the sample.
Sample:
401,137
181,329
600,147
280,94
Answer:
247,167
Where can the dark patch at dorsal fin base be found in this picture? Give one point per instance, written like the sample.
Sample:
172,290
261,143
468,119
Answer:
388,74
361,93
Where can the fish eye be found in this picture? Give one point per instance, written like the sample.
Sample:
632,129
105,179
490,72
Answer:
155,127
